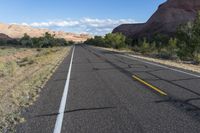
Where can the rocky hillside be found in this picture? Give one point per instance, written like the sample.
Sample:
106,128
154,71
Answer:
165,20
4,37
17,31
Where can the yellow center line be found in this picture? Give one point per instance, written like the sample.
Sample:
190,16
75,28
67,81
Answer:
149,85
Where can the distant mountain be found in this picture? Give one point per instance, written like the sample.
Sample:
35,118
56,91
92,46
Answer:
4,37
17,31
165,20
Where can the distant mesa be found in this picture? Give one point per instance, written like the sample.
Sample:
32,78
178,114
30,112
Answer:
165,20
17,31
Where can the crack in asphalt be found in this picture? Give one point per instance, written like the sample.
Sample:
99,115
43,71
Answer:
76,110
183,104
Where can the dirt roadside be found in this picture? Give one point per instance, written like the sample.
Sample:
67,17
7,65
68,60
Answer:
23,73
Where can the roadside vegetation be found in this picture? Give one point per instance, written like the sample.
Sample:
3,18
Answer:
46,41
22,78
184,45
25,66
117,41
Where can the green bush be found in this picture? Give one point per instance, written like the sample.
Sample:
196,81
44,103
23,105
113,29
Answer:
97,41
71,42
145,47
171,48
3,42
115,40
188,36
161,41
61,42
111,40
26,41
46,41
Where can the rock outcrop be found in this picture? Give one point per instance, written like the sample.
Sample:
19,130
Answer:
164,21
17,31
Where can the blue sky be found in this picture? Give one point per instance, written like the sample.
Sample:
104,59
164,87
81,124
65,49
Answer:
87,16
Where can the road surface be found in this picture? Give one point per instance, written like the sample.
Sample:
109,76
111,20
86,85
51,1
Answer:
108,92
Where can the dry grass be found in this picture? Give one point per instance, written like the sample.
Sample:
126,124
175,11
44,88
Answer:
21,80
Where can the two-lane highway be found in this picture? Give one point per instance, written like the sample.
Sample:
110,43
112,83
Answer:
107,92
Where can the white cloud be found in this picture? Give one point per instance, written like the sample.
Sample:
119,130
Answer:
86,25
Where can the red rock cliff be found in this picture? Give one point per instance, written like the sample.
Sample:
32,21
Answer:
165,20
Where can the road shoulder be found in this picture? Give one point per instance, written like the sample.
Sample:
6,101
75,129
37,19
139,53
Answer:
170,63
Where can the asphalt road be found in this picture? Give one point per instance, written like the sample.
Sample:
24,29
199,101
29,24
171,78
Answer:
112,93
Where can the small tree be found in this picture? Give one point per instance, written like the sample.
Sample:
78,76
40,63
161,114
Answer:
97,41
189,40
161,41
115,40
172,46
129,41
196,38
3,42
26,41
71,42
46,41
185,37
145,47
61,42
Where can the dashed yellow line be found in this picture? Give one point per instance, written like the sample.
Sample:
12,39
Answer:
149,85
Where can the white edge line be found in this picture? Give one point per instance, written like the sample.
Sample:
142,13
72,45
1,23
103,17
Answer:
135,58
59,120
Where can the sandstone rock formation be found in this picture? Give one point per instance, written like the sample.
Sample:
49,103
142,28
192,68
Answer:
17,31
165,20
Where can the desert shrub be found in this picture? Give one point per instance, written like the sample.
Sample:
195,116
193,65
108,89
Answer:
164,54
161,41
11,68
3,42
172,46
46,41
145,47
26,41
71,42
129,41
188,36
61,42
97,41
44,52
13,42
8,69
2,69
111,40
25,61
115,40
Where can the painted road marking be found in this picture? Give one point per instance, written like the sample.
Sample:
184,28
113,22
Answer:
149,85
151,63
59,120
